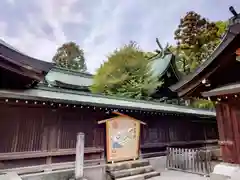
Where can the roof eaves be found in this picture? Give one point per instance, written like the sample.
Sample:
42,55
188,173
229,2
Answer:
12,53
224,90
57,94
228,38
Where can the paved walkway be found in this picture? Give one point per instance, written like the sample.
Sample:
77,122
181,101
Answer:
177,175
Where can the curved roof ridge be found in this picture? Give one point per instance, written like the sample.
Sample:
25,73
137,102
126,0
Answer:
226,40
8,51
9,46
69,71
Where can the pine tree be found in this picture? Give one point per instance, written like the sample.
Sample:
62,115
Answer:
196,38
70,56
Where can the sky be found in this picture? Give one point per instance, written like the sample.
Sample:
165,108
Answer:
39,27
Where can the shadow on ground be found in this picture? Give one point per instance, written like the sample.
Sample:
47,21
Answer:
177,175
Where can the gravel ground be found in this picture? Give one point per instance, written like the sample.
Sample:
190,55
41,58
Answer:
177,175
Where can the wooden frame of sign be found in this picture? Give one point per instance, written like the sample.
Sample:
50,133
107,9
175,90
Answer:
122,137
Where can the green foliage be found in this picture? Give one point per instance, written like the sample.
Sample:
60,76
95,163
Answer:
203,104
149,55
70,56
222,28
196,38
126,74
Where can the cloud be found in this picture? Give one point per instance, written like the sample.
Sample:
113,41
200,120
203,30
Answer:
11,2
98,26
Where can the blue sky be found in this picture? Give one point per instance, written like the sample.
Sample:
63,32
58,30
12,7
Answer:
38,27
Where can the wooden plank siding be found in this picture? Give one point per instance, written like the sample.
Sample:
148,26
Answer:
48,135
37,134
228,117
163,131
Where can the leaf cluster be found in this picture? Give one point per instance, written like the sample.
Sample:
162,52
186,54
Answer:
196,38
126,74
70,56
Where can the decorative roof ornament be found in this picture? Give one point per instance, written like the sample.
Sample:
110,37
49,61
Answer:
231,8
160,62
163,51
163,63
236,16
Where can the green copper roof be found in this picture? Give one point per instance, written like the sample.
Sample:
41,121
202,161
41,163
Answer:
160,65
68,77
62,95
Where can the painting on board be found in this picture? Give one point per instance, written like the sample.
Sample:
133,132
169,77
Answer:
122,138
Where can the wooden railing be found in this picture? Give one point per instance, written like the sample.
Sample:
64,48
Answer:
190,160
42,161
40,154
179,143
55,167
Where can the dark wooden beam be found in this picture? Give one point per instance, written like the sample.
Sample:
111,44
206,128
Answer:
39,154
178,143
19,69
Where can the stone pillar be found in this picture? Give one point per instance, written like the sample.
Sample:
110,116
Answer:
79,162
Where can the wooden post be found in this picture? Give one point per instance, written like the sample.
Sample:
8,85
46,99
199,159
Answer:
79,162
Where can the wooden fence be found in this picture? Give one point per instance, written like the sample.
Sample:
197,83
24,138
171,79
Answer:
196,161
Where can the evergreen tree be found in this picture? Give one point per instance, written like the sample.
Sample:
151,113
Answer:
196,38
70,56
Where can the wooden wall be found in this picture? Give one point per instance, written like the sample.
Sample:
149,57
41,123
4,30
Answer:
32,131
37,134
228,119
177,131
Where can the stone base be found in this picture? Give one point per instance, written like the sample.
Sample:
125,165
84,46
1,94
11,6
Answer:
134,170
225,171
